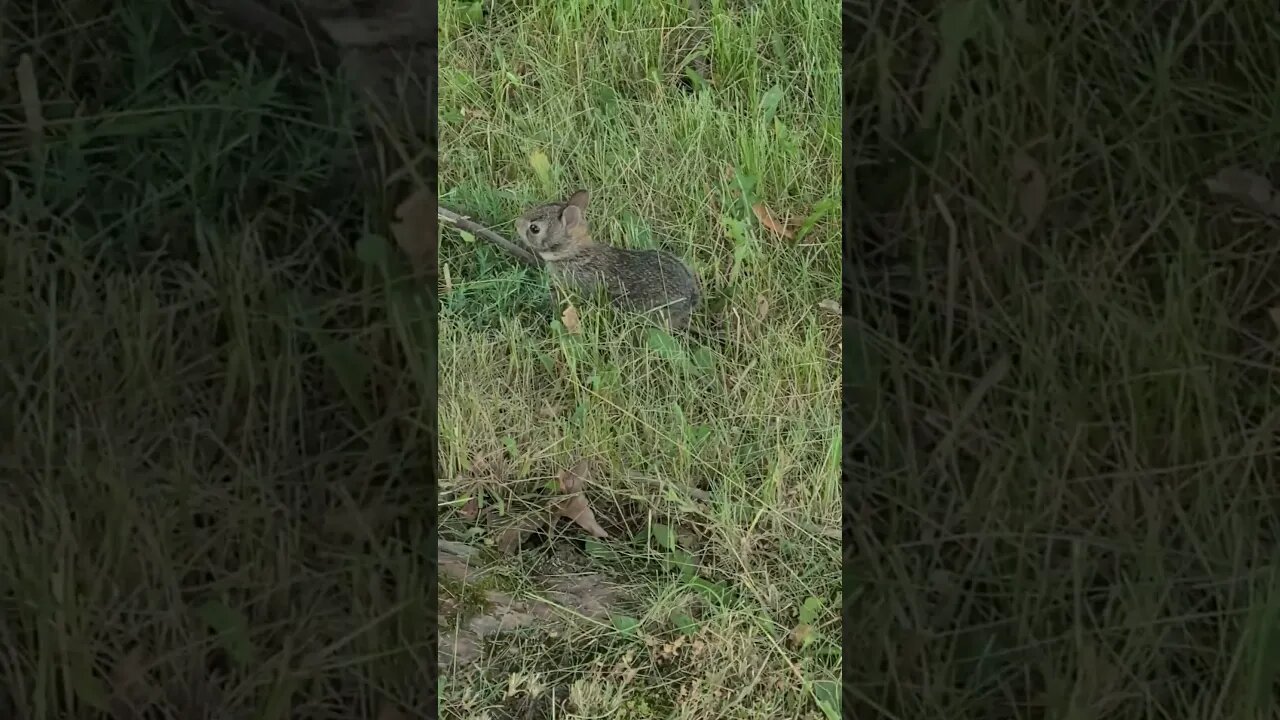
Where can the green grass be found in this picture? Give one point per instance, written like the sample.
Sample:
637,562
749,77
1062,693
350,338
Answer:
213,496
1064,504
727,436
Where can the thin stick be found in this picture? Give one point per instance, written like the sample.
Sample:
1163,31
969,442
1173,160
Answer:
464,223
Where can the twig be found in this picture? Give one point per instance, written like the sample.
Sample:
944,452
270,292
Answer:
463,223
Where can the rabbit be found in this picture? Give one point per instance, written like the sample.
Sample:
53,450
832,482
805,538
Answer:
635,280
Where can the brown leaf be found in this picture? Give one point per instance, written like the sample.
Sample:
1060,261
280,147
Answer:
470,509
772,225
570,319
575,477
415,230
511,539
801,636
762,307
1033,189
576,508
130,688
1247,187
447,281
29,95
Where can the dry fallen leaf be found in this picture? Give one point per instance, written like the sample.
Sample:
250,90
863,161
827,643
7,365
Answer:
1033,189
414,230
129,685
470,509
1247,187
448,280
576,508
511,539
573,478
831,306
29,94
571,481
801,636
570,319
772,225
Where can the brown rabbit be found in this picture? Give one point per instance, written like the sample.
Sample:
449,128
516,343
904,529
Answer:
636,280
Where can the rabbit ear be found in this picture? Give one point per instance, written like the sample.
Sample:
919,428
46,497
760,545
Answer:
578,199
571,216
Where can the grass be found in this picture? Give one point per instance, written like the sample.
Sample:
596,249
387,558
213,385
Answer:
715,451
1062,499
213,496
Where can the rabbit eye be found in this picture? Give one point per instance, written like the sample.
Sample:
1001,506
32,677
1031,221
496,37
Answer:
535,229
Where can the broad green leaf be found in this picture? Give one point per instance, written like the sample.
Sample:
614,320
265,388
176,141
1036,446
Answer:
820,210
664,344
684,623
231,628
599,550
473,14
714,591
663,535
683,562
703,359
626,624
542,168
810,610
769,103
827,695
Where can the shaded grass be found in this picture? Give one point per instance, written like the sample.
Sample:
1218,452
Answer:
726,436
1063,505
206,397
